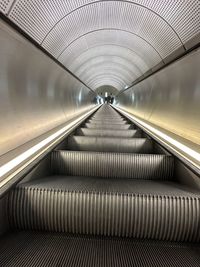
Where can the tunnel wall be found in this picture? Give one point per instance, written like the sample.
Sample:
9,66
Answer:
36,94
169,99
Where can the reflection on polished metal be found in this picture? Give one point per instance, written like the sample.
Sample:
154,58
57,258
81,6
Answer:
170,100
36,95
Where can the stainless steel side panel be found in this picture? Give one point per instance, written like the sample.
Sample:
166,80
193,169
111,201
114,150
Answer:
36,94
169,99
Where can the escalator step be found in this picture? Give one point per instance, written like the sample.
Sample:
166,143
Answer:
112,165
109,126
109,144
36,249
108,118
108,114
107,122
108,132
108,207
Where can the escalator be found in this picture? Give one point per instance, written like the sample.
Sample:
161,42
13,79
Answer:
106,196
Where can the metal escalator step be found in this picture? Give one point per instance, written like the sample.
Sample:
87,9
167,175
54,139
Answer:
109,126
107,114
107,122
108,132
109,144
108,207
112,165
101,185
26,248
108,118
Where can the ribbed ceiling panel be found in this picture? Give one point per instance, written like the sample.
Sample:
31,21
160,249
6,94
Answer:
152,29
108,61
124,39
106,15
99,58
114,83
110,52
110,80
5,5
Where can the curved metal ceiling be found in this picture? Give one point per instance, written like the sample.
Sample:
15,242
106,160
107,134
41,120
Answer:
106,57
139,34
111,37
112,14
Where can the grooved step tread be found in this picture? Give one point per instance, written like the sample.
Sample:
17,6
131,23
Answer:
109,207
109,144
119,186
108,133
112,165
106,120
22,249
109,126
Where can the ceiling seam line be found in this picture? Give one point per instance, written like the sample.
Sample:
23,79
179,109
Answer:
109,73
117,63
109,45
114,29
105,1
11,7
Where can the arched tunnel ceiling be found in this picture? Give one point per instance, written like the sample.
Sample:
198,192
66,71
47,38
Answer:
107,42
103,89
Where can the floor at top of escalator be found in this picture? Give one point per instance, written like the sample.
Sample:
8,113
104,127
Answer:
27,248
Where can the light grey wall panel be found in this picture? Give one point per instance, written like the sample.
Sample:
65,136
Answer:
170,98
36,94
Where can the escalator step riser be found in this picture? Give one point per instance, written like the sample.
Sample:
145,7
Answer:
112,165
140,216
109,133
103,123
108,144
109,126
107,118
106,115
107,122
